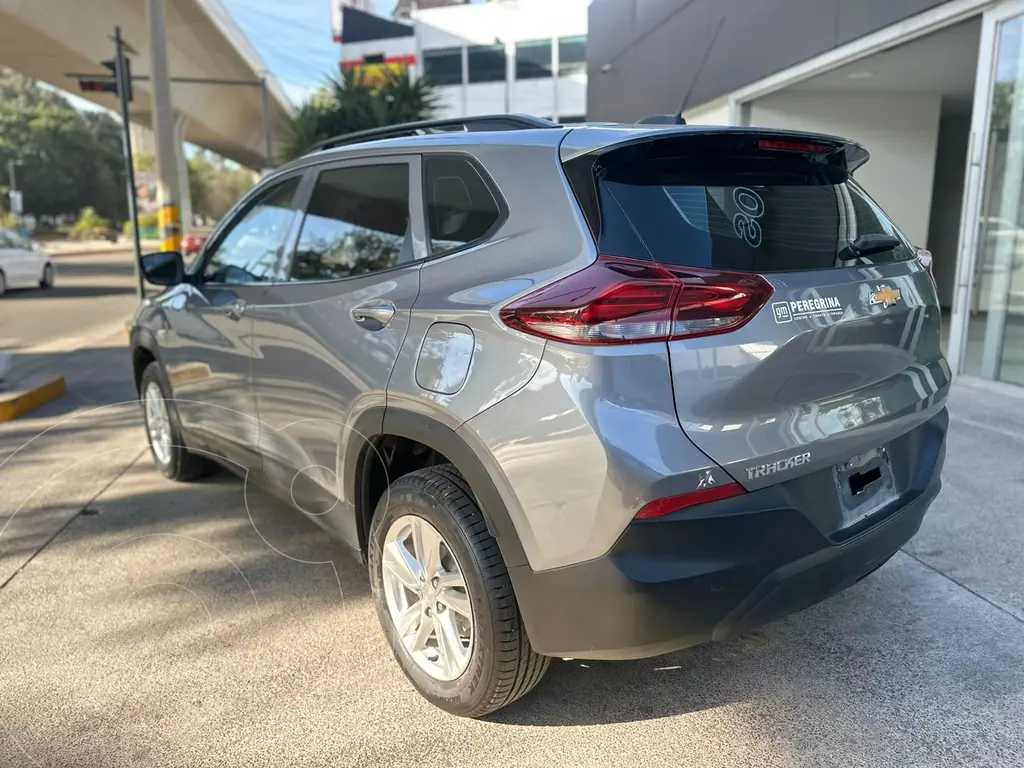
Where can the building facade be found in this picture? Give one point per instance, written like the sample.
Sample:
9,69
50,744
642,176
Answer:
934,90
404,9
501,56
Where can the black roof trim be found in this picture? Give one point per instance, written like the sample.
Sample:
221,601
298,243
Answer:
449,125
362,27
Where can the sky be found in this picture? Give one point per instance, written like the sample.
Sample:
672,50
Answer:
294,39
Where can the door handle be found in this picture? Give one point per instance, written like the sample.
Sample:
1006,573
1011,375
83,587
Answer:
375,316
235,309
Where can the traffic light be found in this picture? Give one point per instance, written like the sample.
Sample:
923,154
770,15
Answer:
111,64
97,85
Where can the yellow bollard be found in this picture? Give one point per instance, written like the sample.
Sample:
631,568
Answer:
169,219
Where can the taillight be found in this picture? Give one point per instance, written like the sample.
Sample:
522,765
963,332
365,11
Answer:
667,506
624,301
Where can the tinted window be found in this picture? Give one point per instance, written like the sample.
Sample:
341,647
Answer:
357,222
533,59
572,55
486,63
460,207
249,250
443,66
790,223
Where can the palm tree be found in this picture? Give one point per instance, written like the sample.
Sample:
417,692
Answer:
354,102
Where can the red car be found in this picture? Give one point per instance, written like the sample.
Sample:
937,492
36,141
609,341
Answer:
192,244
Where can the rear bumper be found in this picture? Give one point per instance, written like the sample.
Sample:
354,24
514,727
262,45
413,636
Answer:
713,571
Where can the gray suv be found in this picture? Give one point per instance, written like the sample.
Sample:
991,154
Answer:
598,391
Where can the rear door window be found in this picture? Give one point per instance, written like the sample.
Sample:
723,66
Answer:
775,222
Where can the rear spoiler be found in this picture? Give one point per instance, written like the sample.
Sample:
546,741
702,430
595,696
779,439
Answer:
597,141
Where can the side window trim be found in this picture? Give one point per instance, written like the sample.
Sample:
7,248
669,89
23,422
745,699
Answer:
492,187
416,211
291,241
238,212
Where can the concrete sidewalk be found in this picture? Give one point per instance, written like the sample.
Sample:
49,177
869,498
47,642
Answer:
204,624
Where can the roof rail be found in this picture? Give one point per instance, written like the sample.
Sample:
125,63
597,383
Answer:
662,120
425,127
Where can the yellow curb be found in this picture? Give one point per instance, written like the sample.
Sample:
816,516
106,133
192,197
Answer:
13,405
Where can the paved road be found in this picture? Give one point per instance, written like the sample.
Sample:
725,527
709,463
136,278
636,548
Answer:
144,623
91,292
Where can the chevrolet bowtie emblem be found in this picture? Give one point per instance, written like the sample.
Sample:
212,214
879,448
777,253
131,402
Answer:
885,295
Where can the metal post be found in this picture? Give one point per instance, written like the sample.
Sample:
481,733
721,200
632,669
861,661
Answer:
268,151
163,128
14,188
181,163
126,132
556,65
509,72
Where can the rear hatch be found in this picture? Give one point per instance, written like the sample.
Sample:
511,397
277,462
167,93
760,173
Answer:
832,352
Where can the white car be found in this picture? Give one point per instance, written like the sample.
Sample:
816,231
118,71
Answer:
22,264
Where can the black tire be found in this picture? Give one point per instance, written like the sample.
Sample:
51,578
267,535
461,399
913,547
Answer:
3,284
502,666
46,281
182,465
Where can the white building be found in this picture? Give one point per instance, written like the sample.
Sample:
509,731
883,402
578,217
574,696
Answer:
525,56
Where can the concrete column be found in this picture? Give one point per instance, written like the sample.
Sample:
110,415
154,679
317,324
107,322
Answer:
181,164
163,128
143,141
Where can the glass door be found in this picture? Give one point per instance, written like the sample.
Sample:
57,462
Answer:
987,338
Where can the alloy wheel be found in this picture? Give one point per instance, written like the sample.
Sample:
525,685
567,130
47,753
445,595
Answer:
158,422
427,597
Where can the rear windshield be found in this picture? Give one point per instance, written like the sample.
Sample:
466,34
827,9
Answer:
756,222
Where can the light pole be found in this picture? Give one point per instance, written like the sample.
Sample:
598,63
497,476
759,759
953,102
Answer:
11,163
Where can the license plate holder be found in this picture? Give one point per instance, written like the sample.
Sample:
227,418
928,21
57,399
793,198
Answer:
865,484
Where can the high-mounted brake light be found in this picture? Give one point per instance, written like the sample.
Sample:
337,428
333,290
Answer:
624,301
662,507
791,146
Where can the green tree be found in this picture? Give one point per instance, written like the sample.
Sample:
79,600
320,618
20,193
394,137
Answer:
144,162
355,103
67,160
16,88
89,225
111,185
216,185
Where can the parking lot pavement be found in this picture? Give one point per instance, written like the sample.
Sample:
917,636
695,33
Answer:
204,624
90,293
59,457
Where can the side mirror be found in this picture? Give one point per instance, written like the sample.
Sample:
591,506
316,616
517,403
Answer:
164,268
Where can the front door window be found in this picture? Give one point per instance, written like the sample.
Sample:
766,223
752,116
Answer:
249,251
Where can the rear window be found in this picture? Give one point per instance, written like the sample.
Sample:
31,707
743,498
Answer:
772,221
460,208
